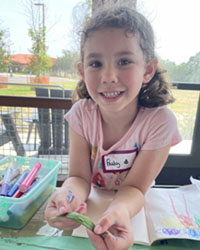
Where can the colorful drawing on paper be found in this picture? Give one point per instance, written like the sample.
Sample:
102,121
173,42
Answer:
180,223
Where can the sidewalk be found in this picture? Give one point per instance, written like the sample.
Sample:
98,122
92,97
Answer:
15,78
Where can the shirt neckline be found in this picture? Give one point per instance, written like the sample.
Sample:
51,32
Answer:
124,138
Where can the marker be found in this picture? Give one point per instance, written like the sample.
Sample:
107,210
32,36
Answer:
24,186
11,184
14,173
18,193
17,184
32,186
6,182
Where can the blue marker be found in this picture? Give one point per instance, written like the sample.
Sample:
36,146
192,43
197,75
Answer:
6,182
17,183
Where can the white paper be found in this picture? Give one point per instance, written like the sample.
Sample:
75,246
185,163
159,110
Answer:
173,213
195,181
139,227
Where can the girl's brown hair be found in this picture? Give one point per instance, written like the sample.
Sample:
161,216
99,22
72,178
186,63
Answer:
157,91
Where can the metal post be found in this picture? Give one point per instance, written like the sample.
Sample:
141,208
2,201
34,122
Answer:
43,18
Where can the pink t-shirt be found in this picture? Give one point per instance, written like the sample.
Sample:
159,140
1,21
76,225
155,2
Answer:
153,128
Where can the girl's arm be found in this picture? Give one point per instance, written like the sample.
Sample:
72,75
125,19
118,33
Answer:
130,197
75,190
79,171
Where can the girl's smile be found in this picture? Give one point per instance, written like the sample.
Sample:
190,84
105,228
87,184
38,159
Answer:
111,96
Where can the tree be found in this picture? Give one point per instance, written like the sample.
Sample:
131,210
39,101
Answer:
66,65
40,62
193,68
96,4
184,72
4,49
85,9
80,12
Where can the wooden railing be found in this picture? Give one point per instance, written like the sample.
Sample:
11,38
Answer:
35,102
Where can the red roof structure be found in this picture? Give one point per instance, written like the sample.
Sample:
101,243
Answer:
22,58
25,58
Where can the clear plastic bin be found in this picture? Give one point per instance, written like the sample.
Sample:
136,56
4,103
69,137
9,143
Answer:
16,212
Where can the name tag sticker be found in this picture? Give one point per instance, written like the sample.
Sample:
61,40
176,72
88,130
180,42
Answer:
119,161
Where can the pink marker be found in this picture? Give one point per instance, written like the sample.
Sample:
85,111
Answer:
29,178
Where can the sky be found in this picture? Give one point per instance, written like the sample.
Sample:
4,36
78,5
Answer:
175,23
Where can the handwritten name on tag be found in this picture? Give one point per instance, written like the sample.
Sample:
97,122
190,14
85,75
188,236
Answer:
119,161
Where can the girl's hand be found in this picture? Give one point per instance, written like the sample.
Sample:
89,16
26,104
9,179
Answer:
61,202
119,233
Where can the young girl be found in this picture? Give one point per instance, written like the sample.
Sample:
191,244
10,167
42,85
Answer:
120,129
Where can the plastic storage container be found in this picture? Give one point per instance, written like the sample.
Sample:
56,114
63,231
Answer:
16,212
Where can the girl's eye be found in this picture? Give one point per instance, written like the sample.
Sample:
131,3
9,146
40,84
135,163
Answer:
123,62
95,64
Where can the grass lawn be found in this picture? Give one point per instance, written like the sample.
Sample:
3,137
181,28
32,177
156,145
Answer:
185,108
13,90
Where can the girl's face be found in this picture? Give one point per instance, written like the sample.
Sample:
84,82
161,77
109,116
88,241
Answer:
114,69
